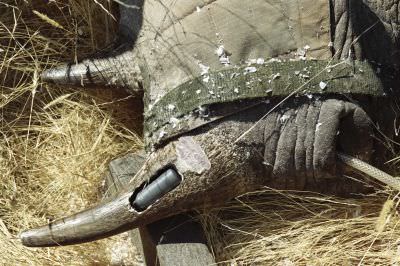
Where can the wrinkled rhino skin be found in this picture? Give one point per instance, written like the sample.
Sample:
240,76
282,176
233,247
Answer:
288,144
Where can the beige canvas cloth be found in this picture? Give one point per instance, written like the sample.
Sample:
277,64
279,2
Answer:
183,39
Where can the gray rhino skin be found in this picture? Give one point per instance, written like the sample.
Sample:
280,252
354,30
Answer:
284,143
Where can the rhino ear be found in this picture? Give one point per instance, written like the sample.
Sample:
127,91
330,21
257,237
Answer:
116,65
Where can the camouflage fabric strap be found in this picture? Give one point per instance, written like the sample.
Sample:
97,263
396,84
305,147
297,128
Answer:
261,81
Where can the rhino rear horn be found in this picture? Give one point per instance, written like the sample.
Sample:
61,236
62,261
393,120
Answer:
116,65
119,70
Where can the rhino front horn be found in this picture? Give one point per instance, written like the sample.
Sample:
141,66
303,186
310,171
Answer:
125,212
99,222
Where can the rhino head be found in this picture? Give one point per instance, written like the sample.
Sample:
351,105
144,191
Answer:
237,96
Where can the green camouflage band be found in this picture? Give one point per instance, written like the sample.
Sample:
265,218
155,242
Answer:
261,81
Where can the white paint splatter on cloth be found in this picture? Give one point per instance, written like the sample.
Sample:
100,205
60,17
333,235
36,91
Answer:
250,69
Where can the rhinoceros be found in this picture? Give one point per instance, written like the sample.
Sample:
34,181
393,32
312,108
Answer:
239,95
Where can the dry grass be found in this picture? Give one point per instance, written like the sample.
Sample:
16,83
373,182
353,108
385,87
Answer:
292,228
55,145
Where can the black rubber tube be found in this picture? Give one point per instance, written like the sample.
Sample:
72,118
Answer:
163,184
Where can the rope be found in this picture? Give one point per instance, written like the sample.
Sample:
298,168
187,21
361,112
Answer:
368,169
